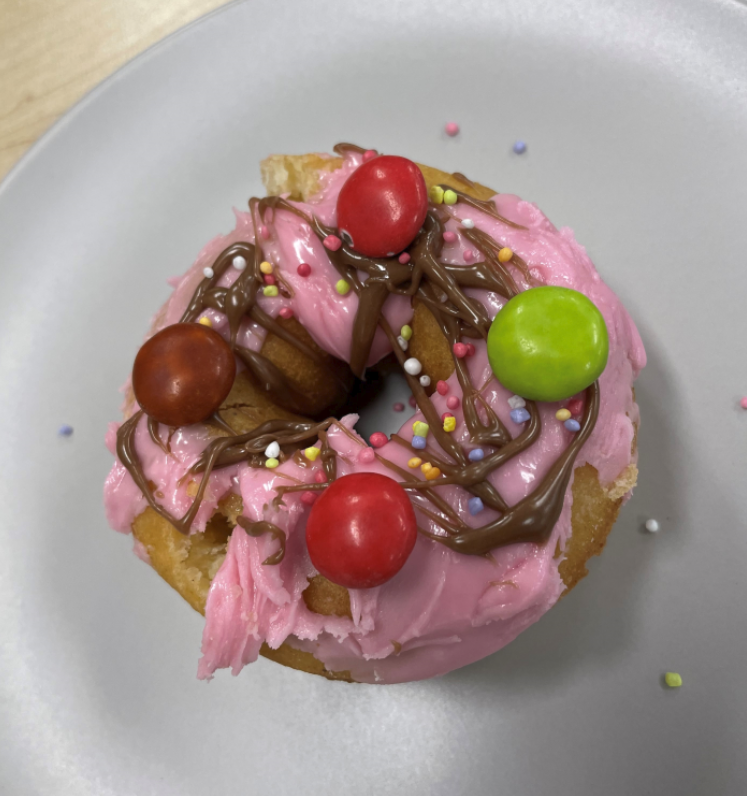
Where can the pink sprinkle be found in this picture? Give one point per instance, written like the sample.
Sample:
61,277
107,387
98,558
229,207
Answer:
320,477
332,242
743,402
575,407
460,350
452,129
368,154
411,400
308,498
442,387
270,279
264,232
470,350
445,415
398,407
449,236
366,456
378,439
452,402
286,313
304,269
404,258
468,256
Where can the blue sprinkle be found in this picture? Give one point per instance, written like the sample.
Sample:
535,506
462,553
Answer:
65,431
475,505
520,147
418,443
519,415
572,425
477,455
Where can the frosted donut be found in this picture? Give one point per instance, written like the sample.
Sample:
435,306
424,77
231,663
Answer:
509,506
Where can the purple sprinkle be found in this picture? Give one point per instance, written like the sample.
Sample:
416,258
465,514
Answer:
398,407
475,505
477,455
65,431
520,147
520,415
418,443
572,425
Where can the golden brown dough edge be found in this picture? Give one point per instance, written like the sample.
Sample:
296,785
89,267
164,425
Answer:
188,564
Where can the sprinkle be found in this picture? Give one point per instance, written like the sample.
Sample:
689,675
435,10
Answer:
312,453
450,424
239,262
342,287
420,429
403,344
442,387
332,242
519,415
450,197
470,350
208,272
475,505
425,381
460,350
205,321
452,402
451,129
304,269
450,236
320,477
406,332
265,267
516,402
468,256
416,461
286,313
369,154
477,455
432,474
270,279
673,680
413,366
468,223
576,406
271,464
436,194
445,415
378,439
65,431
309,498
398,407
520,147
572,425
270,290
563,414
505,254
264,233
652,526
743,402
272,451
426,468
404,258
366,456
418,443
411,400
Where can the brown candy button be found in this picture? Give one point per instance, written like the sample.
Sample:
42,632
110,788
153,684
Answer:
183,374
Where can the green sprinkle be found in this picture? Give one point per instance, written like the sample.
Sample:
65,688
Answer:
450,198
420,429
342,287
673,680
406,332
270,290
271,464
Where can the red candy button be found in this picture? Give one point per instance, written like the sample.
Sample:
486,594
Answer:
183,374
382,206
361,530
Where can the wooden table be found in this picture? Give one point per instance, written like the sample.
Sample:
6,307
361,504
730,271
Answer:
53,51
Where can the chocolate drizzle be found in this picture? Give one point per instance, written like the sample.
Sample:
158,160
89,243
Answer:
441,288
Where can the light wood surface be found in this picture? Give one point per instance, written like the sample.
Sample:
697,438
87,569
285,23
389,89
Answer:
53,51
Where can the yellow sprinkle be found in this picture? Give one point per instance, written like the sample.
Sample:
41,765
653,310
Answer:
450,198
563,414
420,429
342,287
270,290
432,474
426,467
505,254
205,321
436,194
271,464
311,453
449,423
406,332
265,267
673,680
414,462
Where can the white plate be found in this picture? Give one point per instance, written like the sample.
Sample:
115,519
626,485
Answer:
635,115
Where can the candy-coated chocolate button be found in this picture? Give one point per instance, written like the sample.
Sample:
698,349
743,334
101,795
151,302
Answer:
548,343
382,206
361,530
183,374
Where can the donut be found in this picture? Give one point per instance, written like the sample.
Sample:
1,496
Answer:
238,469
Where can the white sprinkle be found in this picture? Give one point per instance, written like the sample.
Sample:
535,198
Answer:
652,526
425,381
402,343
413,366
239,262
468,223
516,402
209,273
272,451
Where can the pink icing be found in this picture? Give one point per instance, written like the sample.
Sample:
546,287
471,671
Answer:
444,609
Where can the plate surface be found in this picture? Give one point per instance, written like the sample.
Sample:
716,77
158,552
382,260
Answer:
635,116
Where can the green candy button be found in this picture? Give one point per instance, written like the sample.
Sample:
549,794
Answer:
548,343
